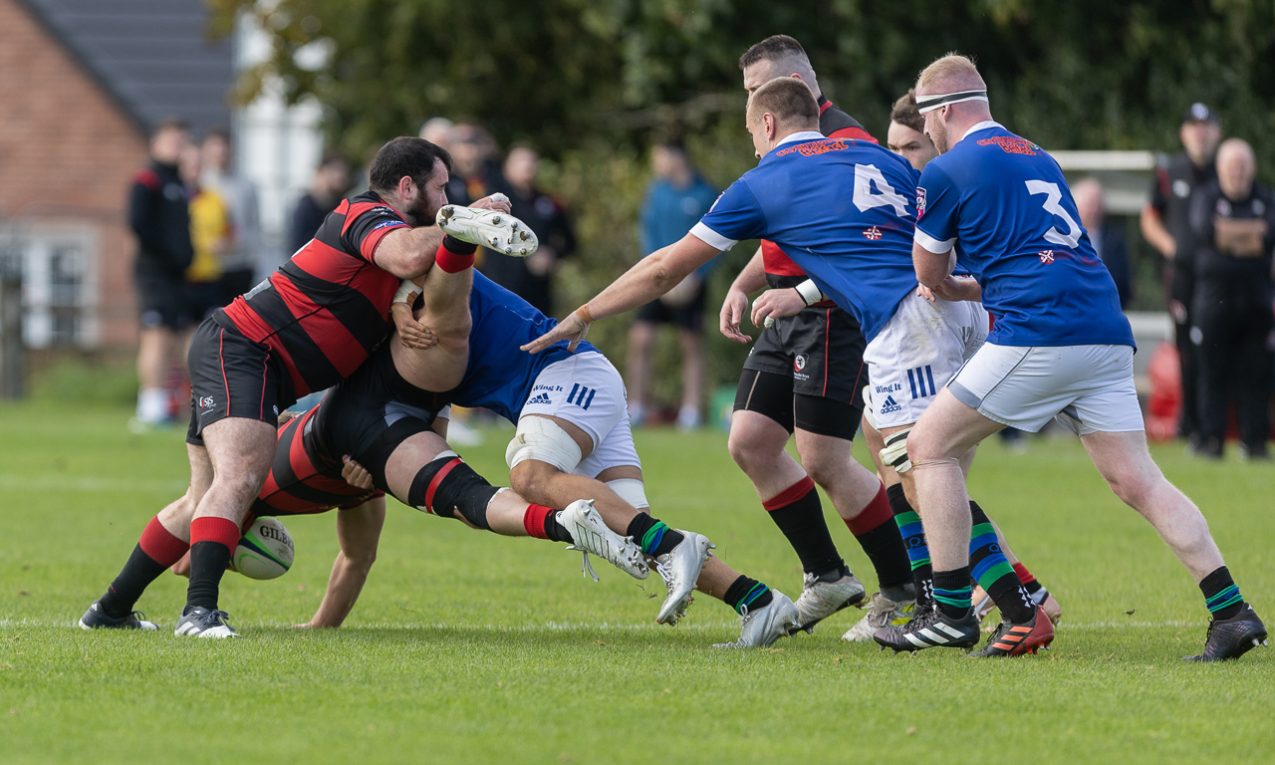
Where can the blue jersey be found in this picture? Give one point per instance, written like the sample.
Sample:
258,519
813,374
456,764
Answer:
842,209
1003,203
499,375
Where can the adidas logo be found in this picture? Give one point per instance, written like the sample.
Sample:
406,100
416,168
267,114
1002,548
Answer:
890,405
539,398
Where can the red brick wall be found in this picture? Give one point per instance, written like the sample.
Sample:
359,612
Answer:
67,153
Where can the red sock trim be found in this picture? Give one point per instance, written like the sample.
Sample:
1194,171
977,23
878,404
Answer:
790,495
162,547
437,481
452,262
534,520
1024,576
223,531
872,515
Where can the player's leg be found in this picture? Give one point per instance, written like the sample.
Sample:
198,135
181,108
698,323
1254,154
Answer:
445,293
691,344
638,363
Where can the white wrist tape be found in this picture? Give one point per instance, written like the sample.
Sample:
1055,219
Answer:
809,292
406,288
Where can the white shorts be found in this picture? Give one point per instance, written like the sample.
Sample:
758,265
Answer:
918,350
587,391
1089,388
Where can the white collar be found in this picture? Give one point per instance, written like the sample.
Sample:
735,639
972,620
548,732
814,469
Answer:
804,135
984,125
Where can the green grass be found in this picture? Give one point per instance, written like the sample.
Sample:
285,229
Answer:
471,648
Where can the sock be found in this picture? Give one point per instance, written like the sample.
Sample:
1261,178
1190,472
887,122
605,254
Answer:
879,537
454,255
1029,581
799,515
653,535
1221,595
152,404
745,593
992,571
542,523
155,551
913,535
212,540
952,591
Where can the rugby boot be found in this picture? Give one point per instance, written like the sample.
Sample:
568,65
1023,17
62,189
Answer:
1232,638
882,612
589,534
97,619
499,231
203,623
931,629
680,569
822,595
762,627
1011,639
983,604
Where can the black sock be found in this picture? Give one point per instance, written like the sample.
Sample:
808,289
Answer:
992,571
913,536
1221,595
556,531
140,570
799,515
952,592
747,593
653,535
207,564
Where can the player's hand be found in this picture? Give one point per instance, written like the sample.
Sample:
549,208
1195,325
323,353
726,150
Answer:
572,329
776,304
498,202
411,332
957,288
732,313
925,292
355,474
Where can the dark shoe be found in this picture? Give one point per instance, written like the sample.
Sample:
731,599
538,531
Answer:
1232,638
200,622
1011,639
931,629
97,619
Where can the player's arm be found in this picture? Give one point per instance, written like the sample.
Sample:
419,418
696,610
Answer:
409,252
1151,219
358,531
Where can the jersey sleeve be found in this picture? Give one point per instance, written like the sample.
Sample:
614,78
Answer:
369,227
937,204
735,216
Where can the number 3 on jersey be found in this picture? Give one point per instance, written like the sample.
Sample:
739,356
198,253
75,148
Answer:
1052,199
871,189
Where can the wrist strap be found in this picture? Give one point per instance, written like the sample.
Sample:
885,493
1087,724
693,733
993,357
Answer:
585,314
404,289
809,292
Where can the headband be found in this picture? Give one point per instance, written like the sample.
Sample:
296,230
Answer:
927,104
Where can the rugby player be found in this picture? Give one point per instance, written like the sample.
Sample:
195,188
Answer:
842,209
802,380
310,325
1061,348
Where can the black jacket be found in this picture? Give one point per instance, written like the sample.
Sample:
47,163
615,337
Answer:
159,214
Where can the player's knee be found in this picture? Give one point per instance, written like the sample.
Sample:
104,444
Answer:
540,439
751,450
449,488
533,480
1133,488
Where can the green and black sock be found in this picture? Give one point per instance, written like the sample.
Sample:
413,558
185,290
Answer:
1221,595
746,594
992,571
952,592
653,535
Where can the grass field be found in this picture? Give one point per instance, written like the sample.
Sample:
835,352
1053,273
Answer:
471,648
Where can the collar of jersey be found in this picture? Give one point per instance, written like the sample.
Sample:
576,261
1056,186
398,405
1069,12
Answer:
805,135
984,125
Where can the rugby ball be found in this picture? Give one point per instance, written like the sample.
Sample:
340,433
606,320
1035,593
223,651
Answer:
265,550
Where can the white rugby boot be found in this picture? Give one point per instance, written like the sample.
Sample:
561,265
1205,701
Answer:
499,231
822,597
761,627
680,569
202,623
590,534
882,612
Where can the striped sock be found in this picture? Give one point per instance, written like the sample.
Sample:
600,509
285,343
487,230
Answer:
747,594
952,591
1221,595
913,535
652,535
992,571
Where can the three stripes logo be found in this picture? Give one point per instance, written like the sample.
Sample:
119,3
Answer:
921,380
581,396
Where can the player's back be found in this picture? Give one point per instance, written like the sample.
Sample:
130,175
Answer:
1017,230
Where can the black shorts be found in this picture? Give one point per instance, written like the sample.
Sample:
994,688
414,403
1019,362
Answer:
231,376
807,371
371,414
162,302
304,478
202,298
689,317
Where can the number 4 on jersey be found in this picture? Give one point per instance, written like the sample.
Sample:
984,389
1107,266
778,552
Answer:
871,189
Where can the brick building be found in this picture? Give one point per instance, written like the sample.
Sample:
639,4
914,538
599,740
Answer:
81,81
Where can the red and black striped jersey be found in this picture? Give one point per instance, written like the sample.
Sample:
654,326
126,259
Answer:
302,480
325,310
833,123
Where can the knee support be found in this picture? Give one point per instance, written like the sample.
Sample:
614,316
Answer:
895,451
631,490
542,439
448,486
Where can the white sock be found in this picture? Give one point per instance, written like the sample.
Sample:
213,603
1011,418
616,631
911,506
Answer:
152,405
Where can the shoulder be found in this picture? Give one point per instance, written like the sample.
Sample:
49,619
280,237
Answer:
147,177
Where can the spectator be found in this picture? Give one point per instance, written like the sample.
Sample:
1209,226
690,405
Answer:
1232,227
327,188
531,278
1106,238
159,217
475,172
438,131
1165,227
211,235
241,257
675,201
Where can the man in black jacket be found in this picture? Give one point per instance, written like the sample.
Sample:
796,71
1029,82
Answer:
159,216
